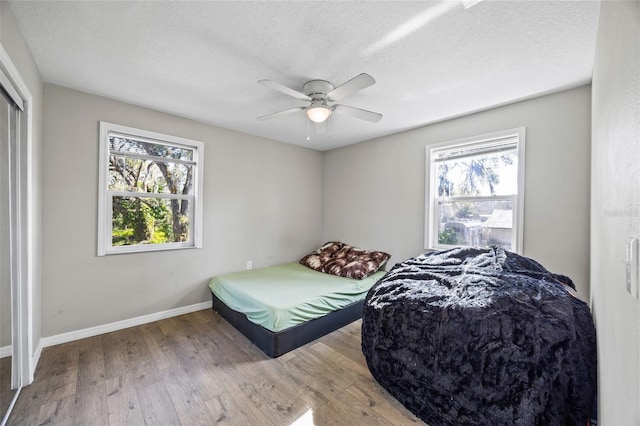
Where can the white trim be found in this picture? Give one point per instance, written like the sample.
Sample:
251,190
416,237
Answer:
24,347
120,325
144,248
37,352
125,154
103,214
149,136
105,195
8,87
519,213
5,351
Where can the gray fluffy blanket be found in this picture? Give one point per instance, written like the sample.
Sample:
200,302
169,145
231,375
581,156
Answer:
481,337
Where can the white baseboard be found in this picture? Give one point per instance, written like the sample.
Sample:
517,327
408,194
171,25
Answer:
5,351
35,358
118,325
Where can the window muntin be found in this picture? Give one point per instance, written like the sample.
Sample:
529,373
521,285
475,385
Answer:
150,191
153,174
481,174
474,192
125,144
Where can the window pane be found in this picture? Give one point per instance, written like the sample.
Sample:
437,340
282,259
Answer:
127,145
478,175
137,175
147,220
476,223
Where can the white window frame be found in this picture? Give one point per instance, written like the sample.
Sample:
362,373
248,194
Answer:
432,200
105,196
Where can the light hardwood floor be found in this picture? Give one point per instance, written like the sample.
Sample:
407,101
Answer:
197,369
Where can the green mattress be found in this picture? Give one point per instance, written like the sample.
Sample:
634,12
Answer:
281,296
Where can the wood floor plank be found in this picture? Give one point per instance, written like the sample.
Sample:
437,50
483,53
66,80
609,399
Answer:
58,372
342,413
188,403
140,360
58,360
198,356
322,373
170,326
154,338
250,410
116,359
122,401
338,360
90,404
159,341
197,369
276,398
245,355
26,410
381,406
91,369
203,368
308,391
57,412
347,341
227,354
156,405
225,411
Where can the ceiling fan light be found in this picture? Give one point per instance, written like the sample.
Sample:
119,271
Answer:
318,113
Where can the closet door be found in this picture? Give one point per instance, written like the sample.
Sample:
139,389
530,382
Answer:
8,122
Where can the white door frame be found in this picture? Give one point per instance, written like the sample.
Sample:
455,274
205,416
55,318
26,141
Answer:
22,312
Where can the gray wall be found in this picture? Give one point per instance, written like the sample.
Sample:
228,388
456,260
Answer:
615,209
262,202
16,47
375,191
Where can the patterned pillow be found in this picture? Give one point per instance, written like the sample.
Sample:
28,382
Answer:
321,256
344,260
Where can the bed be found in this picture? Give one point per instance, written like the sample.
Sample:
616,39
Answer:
282,307
481,336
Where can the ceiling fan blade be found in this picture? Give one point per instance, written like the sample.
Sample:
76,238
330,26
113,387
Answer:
362,114
358,82
284,89
281,113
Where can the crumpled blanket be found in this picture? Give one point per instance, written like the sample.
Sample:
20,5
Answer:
482,337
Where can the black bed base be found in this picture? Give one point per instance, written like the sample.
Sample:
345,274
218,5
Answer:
278,343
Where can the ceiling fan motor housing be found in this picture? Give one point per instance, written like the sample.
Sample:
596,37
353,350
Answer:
318,89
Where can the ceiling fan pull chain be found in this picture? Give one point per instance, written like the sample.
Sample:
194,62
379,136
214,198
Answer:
308,120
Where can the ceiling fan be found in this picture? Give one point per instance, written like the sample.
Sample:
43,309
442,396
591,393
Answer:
320,93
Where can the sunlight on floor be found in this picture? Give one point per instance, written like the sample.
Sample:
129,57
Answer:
304,420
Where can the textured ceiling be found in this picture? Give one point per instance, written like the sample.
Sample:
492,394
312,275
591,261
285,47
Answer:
201,60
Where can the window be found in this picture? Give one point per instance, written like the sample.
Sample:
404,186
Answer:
474,192
150,191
